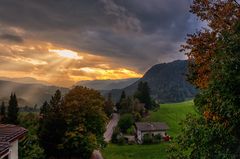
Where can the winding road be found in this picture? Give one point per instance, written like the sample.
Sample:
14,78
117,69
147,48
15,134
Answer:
111,125
107,135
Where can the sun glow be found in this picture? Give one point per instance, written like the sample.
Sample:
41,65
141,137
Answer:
67,54
119,73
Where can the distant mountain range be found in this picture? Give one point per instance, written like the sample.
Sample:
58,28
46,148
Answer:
25,80
108,84
167,82
28,94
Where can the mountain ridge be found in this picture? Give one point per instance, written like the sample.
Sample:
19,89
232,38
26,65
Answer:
107,84
167,82
25,80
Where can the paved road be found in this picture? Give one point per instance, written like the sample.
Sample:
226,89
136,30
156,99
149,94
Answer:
107,135
96,155
111,125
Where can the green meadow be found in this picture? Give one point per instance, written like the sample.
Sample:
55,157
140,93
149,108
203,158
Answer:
171,114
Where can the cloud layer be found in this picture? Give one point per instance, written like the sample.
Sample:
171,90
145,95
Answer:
124,34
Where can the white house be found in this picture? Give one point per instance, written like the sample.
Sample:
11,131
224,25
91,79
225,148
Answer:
154,128
9,137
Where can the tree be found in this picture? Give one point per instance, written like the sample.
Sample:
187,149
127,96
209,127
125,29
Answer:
122,97
125,122
126,106
3,113
44,109
108,106
86,120
214,67
30,147
143,94
52,126
12,114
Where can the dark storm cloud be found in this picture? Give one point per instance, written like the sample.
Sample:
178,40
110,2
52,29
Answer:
12,38
139,33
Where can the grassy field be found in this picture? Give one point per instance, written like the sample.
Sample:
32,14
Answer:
135,151
172,114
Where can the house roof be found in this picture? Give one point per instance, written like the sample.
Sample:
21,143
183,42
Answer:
10,133
151,126
4,148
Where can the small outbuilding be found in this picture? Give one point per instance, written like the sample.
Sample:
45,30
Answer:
153,128
9,137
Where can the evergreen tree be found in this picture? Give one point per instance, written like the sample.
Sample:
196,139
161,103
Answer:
143,94
12,114
126,106
108,106
44,108
52,125
3,113
122,97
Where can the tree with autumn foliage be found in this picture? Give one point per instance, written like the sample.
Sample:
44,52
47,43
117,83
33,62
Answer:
214,68
85,118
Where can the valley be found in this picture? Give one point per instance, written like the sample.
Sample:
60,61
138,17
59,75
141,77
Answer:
172,114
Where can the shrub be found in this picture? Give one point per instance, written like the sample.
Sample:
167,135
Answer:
121,140
131,130
157,138
137,116
125,122
147,139
116,133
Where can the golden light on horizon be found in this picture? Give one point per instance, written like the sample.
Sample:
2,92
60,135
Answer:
105,74
58,65
66,53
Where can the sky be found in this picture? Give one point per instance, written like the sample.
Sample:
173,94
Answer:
65,41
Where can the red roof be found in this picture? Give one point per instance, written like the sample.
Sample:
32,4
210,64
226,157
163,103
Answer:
9,133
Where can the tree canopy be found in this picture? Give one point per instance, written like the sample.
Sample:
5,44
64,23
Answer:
214,67
12,112
86,120
143,94
52,126
73,126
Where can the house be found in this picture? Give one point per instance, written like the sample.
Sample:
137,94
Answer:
9,137
153,128
130,139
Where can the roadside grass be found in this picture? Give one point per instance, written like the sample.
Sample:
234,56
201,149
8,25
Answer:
171,114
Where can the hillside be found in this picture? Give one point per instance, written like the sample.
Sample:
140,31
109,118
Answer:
28,94
107,84
167,82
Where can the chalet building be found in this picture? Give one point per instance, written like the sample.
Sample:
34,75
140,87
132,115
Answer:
9,137
153,128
